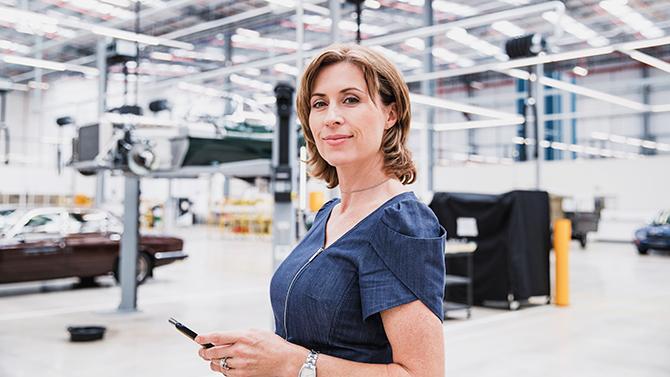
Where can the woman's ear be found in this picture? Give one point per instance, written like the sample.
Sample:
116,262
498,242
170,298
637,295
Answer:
391,116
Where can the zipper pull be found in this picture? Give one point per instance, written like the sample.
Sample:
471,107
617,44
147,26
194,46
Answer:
315,254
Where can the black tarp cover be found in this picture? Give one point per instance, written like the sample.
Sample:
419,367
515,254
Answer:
513,242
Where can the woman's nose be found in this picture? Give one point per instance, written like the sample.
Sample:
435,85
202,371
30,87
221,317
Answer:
333,117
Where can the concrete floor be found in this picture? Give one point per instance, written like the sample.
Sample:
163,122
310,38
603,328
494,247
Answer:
618,323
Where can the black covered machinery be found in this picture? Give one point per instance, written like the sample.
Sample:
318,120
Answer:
512,233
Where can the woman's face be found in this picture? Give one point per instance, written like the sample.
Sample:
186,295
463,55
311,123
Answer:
346,122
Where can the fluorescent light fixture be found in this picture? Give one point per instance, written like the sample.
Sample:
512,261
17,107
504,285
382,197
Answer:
247,32
457,9
365,28
212,54
508,28
632,141
589,150
161,56
52,25
255,84
285,68
572,88
265,99
660,108
647,59
635,20
475,124
398,58
515,2
36,63
200,89
266,43
558,84
118,3
283,3
93,6
580,71
13,46
252,71
576,28
461,36
8,85
48,64
372,4
450,57
461,107
416,43
346,25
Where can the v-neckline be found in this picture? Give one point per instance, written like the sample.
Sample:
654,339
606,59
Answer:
324,228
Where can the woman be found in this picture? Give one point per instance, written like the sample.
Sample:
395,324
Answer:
361,294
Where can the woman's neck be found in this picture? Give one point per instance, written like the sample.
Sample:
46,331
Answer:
366,185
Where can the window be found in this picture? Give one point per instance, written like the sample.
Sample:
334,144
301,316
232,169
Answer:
92,222
47,223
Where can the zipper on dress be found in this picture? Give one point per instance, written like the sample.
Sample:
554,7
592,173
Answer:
288,291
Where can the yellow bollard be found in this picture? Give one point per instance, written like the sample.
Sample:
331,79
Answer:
315,200
562,236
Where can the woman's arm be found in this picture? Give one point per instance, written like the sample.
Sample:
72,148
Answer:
415,334
417,340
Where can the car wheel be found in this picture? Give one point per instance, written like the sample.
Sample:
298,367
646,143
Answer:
87,281
143,268
642,250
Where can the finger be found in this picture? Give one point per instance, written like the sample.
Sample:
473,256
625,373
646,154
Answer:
221,338
218,352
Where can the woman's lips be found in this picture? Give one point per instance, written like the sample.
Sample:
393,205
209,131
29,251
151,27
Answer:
336,140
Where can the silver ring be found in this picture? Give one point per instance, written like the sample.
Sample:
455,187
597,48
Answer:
223,363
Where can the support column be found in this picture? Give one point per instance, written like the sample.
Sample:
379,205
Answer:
335,11
646,116
129,244
539,125
228,46
283,222
101,60
428,89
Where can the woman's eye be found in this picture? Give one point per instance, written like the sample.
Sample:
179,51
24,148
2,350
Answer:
318,104
350,100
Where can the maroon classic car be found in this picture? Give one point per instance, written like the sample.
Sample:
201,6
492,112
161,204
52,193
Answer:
53,243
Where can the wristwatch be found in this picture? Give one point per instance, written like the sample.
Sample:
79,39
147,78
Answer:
309,367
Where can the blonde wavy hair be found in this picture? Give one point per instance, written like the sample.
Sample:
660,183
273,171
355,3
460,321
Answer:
384,81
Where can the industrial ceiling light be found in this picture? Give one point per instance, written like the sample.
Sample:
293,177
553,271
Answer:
621,10
595,94
13,46
461,36
647,59
508,28
580,71
576,28
48,64
6,85
461,107
48,23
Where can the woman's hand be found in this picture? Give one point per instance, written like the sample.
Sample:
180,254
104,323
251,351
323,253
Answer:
252,353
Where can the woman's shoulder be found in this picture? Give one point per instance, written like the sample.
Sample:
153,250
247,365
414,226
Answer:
326,206
409,216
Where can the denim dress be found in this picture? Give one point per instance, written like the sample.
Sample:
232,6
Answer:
330,300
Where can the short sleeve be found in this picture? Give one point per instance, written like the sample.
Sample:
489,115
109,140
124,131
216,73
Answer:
408,260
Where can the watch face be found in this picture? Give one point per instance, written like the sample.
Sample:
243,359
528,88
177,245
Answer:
307,372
